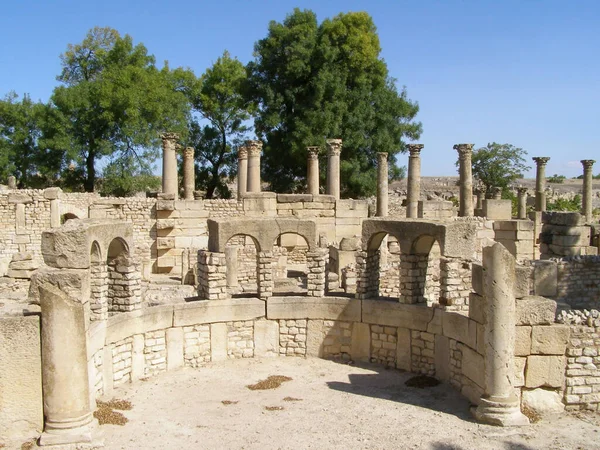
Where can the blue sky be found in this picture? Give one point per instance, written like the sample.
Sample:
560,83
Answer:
521,72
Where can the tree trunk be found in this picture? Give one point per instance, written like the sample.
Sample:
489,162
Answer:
90,172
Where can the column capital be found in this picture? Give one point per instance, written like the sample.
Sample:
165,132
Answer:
313,152
415,149
242,152
464,150
382,156
169,137
541,160
587,163
522,190
254,147
334,147
188,152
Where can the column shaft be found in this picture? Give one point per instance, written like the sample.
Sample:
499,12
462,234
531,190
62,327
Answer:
334,148
382,184
312,176
414,180
254,149
522,203
587,189
242,174
169,172
465,152
540,182
189,174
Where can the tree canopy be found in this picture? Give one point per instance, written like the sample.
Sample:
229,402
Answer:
498,165
312,82
116,102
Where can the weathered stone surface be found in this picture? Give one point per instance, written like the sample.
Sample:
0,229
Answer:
522,340
545,371
571,219
550,340
22,256
534,310
442,358
218,342
174,338
519,372
473,366
545,277
403,349
207,311
477,308
74,282
266,338
350,244
460,328
21,414
393,314
52,193
542,401
328,308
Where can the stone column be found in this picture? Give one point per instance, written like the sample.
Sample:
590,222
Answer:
254,149
67,406
231,261
334,148
169,172
12,182
242,175
587,189
499,405
466,179
189,173
414,180
382,184
540,182
312,166
522,203
480,194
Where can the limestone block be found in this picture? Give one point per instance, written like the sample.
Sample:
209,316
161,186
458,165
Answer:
165,243
52,193
473,366
442,358
403,349
174,348
497,209
138,359
20,274
435,325
328,308
294,198
22,239
523,340
519,372
266,338
74,282
550,340
126,324
534,310
545,277
570,219
361,343
548,371
477,278
21,414
392,314
165,224
461,328
477,308
107,370
315,335
523,276
218,342
19,198
165,205
209,311
542,401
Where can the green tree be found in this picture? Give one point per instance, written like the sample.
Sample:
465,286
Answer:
124,177
498,165
32,142
312,82
557,179
116,101
218,96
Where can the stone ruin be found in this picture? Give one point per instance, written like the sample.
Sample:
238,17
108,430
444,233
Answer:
118,289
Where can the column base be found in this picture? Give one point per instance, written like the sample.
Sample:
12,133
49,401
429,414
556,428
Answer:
500,412
85,436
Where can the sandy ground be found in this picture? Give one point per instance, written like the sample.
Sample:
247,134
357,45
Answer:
336,406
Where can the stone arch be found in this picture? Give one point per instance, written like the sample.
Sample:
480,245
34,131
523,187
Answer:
422,271
124,291
68,211
98,284
290,267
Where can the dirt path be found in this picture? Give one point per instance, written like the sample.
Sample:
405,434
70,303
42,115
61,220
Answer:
335,406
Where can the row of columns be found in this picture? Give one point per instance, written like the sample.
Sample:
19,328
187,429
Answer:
169,169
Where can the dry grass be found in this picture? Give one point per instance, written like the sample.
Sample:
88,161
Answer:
229,402
106,413
422,381
292,399
273,382
27,445
274,408
531,414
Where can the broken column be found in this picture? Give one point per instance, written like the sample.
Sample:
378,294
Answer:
497,193
12,182
382,184
67,406
587,189
242,174
334,148
189,175
254,149
522,202
414,180
312,176
480,196
540,182
465,152
499,405
169,172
